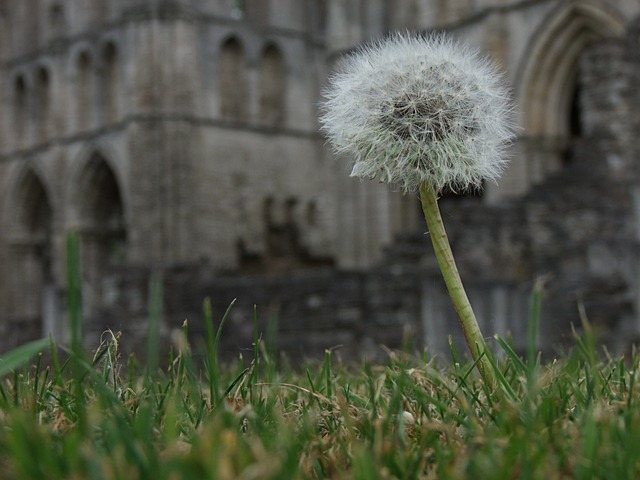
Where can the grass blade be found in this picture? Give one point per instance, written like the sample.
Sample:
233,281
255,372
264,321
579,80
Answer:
512,355
214,373
21,355
213,344
534,322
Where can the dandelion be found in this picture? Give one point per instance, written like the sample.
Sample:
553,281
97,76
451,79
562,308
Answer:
411,110
424,113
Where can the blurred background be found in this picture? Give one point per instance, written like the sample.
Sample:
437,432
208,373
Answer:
180,138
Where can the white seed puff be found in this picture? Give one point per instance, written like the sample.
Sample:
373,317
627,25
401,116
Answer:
410,109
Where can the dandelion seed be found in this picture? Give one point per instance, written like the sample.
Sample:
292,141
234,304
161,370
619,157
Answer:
412,109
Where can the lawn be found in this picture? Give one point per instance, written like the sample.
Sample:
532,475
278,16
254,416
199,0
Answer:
105,417
181,414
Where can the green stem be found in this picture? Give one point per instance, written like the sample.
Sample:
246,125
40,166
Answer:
470,328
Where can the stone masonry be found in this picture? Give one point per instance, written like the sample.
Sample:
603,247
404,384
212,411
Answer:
179,138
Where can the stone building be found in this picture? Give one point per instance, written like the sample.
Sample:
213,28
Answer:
181,136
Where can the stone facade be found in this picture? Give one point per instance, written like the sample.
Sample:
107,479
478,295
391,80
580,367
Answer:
180,136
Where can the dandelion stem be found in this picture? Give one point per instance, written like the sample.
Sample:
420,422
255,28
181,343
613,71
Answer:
470,327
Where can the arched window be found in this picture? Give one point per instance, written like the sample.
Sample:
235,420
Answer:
232,81
42,102
33,209
109,79
272,86
84,92
20,109
34,297
102,227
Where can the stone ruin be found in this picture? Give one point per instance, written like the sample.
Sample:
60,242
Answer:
180,138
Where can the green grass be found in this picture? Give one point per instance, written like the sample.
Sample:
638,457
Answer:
101,416
578,418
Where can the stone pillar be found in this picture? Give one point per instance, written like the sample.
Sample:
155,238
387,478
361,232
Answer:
162,139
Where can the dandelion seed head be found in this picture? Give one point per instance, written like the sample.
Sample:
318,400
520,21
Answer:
412,109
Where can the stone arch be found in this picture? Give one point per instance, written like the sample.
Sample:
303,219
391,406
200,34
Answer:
548,77
547,86
272,86
109,58
84,90
232,79
31,209
97,199
97,202
36,303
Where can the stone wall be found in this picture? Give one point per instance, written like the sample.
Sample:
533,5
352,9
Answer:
181,136
355,314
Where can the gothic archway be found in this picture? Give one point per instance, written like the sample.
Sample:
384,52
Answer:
547,87
272,86
102,228
35,299
232,80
